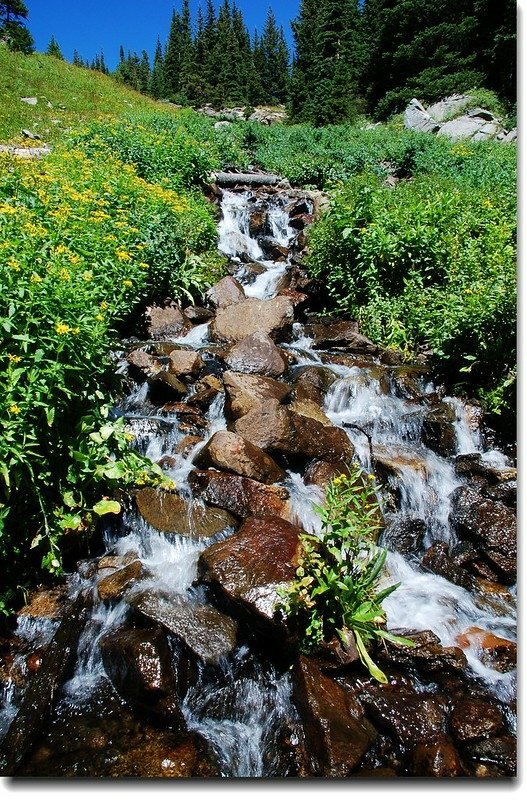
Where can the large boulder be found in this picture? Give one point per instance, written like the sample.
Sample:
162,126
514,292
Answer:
473,719
416,118
257,354
448,107
274,317
408,716
245,392
169,513
478,125
113,586
185,363
340,334
337,734
166,322
246,570
313,383
241,496
436,757
225,293
230,452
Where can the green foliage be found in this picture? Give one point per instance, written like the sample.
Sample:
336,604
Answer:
336,591
13,30
54,49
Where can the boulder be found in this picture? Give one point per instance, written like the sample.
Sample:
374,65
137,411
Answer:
438,431
165,322
246,392
230,452
321,473
257,354
185,363
448,107
247,569
257,222
404,534
495,651
313,383
474,125
340,334
311,410
165,386
158,755
408,716
47,603
500,751
427,655
170,513
198,315
205,391
273,317
416,118
207,634
144,363
336,732
241,496
436,758
437,559
225,293
273,250
113,586
473,719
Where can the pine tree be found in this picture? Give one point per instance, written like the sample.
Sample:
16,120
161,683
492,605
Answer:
172,57
186,55
304,76
13,30
143,73
157,86
54,49
275,61
77,59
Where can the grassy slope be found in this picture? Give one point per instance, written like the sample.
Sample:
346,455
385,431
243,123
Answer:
76,96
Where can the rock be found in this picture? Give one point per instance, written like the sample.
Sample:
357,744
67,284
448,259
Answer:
512,136
257,354
436,758
337,734
159,756
241,496
208,634
245,392
257,222
473,464
267,116
313,383
170,513
249,272
427,656
221,124
198,315
500,751
311,410
470,126
205,391
273,317
116,562
411,717
404,534
494,651
247,569
273,250
491,524
417,119
448,107
340,334
395,460
321,473
165,386
29,101
187,445
474,719
47,603
277,429
165,322
30,135
437,559
438,431
185,363
144,363
113,586
225,293
228,451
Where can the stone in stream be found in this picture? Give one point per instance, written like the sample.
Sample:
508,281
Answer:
336,731
170,513
257,222
313,383
228,451
472,719
198,315
205,391
321,473
274,317
145,364
311,410
185,363
245,392
246,570
165,386
499,751
225,293
165,322
340,334
404,534
238,495
256,354
273,250
278,429
115,585
438,431
436,757
494,651
427,655
408,716
437,559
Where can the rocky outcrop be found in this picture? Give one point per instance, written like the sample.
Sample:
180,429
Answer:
230,452
273,317
454,118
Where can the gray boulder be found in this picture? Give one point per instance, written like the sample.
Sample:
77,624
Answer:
416,118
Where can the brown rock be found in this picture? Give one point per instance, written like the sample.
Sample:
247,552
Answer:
234,323
438,431
167,385
499,751
321,473
241,496
225,293
409,716
337,734
185,363
257,222
45,603
257,354
427,655
340,334
115,585
161,758
116,562
187,445
145,363
166,322
247,568
312,383
205,391
494,651
436,758
198,315
245,392
228,451
437,559
170,513
474,719
404,534
312,410
34,660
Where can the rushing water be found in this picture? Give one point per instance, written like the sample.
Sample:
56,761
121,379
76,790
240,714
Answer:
243,708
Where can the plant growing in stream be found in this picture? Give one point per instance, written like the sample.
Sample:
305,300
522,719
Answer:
336,591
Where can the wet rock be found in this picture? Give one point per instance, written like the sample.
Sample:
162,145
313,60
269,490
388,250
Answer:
161,757
187,445
208,634
116,562
499,751
474,719
494,651
321,473
394,461
205,392
273,250
115,585
311,410
247,569
273,317
257,354
313,383
437,559
144,363
427,655
337,734
45,603
185,363
409,381
277,429
438,431
472,464
228,451
165,386
34,660
491,524
170,513
436,758
340,334
404,534
245,392
406,715
198,315
225,293
164,322
257,222
241,496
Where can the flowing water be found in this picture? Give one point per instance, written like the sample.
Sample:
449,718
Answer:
243,709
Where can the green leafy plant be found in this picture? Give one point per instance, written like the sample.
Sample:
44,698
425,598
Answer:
336,590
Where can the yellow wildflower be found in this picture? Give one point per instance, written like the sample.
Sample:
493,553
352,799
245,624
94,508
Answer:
35,278
99,318
61,328
128,283
144,265
13,264
104,305
123,255
14,409
64,274
87,276
7,209
14,359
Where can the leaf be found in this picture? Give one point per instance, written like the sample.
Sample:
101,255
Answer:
50,416
368,662
107,507
106,431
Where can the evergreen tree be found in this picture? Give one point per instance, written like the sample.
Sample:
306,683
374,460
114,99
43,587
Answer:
157,86
186,55
143,73
304,75
13,30
77,59
54,49
172,57
275,61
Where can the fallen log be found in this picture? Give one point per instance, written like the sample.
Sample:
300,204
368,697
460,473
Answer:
41,695
246,179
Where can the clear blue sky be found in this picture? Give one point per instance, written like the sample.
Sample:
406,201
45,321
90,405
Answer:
89,25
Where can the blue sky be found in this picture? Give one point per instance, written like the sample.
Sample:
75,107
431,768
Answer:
91,25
